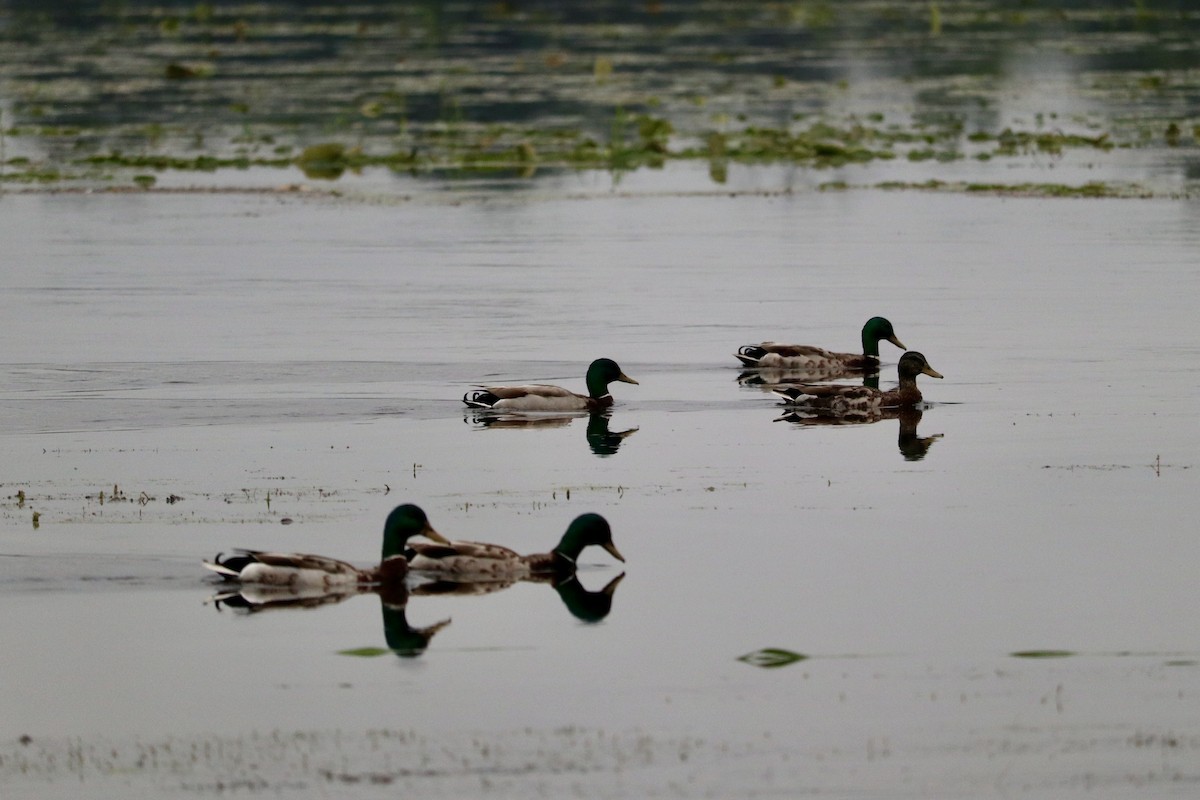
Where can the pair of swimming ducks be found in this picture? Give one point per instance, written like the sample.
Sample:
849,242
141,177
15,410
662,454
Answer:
815,361
458,561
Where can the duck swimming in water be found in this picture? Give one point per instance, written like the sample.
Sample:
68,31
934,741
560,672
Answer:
545,397
477,561
819,360
304,570
839,400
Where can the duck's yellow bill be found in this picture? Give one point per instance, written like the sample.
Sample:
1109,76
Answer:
430,533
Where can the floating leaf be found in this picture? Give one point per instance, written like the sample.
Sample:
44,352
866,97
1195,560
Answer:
364,652
1042,653
772,657
324,161
328,151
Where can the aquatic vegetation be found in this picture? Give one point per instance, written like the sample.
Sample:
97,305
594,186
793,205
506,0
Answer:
1023,189
215,88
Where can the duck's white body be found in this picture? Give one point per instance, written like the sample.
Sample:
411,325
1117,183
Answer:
296,570
540,397
547,397
799,357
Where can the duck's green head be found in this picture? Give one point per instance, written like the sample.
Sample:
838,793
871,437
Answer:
875,331
402,524
913,364
584,531
601,373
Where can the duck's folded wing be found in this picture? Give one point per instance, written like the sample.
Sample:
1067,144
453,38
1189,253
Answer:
473,550
797,350
528,390
807,392
305,561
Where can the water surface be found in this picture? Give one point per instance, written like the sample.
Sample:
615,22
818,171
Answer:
263,358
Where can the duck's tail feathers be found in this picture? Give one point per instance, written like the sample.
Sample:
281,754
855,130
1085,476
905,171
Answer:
231,568
480,398
750,355
793,395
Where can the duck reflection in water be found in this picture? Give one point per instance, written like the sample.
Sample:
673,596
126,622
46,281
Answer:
912,446
402,639
600,438
264,580
771,380
584,604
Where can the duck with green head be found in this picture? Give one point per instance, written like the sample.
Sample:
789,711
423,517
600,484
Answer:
545,397
477,561
841,400
816,359
307,571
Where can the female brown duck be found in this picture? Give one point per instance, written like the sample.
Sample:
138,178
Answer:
838,399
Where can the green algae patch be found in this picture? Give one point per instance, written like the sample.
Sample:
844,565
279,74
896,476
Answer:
820,145
1091,189
327,161
1012,143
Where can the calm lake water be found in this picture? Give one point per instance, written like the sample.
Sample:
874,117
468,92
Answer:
260,358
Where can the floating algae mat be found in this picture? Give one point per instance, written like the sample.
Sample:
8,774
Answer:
128,94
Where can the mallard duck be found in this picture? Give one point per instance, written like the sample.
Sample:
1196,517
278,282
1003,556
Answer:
543,397
805,357
317,572
481,562
842,400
